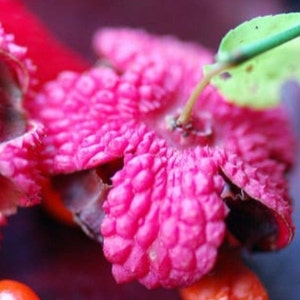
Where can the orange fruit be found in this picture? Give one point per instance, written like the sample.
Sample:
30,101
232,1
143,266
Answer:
15,290
231,279
54,205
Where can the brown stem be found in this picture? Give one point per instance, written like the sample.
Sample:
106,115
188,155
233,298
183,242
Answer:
187,111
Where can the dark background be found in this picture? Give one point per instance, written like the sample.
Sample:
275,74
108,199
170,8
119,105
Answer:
60,262
204,21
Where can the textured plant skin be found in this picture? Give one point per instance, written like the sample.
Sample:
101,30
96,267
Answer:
48,57
256,157
20,136
170,199
169,235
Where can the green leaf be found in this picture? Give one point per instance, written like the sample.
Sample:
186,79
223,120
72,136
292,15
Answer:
257,81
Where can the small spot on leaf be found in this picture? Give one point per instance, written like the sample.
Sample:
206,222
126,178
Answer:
249,68
225,75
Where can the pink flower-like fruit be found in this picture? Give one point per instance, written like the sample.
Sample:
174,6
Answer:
20,136
159,196
46,52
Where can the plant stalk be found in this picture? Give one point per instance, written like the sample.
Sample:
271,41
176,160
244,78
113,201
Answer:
228,60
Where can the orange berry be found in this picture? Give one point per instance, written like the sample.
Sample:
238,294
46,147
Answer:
53,204
15,290
229,280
